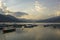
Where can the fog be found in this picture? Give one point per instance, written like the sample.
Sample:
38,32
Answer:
36,33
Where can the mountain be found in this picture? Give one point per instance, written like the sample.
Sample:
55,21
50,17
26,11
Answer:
51,20
10,18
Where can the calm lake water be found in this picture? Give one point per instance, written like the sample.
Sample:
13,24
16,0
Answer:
35,33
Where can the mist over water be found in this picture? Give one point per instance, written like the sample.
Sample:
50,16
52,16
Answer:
36,33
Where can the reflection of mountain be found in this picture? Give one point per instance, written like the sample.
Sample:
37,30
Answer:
9,18
51,20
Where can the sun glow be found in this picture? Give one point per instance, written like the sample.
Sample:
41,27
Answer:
36,12
58,13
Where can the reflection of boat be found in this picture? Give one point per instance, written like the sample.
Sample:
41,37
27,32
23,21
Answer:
52,25
8,29
30,26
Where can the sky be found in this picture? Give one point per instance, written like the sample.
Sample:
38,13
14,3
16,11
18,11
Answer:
36,9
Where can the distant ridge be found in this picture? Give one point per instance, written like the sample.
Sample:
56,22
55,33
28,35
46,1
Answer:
10,18
51,20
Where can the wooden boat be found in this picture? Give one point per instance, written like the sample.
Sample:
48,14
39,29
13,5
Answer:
8,29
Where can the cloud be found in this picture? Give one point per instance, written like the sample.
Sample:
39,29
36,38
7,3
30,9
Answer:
57,10
39,7
18,14
32,16
37,12
6,11
42,12
57,13
1,12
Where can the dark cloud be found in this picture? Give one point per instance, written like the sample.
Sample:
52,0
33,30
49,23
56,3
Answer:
1,11
19,14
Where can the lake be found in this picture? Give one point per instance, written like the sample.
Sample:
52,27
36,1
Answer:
36,33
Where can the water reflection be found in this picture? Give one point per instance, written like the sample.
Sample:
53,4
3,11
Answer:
35,33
